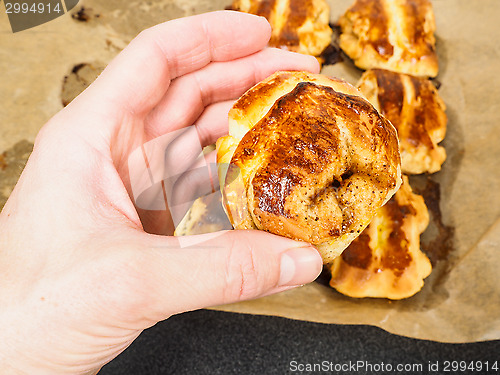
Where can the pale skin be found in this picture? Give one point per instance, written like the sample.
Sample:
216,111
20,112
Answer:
81,272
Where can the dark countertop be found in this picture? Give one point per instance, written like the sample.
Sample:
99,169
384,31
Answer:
213,342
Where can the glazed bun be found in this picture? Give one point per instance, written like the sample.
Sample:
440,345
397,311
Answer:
307,157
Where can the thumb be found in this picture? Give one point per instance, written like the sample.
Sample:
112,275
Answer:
187,273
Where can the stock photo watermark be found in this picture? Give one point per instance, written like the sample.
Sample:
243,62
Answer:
26,14
363,367
169,173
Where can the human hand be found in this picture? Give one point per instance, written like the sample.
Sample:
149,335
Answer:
81,272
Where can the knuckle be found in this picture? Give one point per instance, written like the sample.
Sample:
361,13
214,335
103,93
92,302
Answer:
144,34
242,275
46,133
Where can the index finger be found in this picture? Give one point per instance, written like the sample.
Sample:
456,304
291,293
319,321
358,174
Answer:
140,75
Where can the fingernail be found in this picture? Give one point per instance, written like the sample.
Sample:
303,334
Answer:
299,266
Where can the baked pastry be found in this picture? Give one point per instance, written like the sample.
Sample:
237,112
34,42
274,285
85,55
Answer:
297,25
206,215
396,35
414,107
307,157
386,260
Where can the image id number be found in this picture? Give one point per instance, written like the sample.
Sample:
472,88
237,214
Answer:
40,8
462,366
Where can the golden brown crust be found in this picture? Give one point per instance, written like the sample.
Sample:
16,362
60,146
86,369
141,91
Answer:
392,35
385,261
298,25
414,107
315,163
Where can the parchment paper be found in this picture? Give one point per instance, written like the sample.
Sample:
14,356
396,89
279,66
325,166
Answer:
460,301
